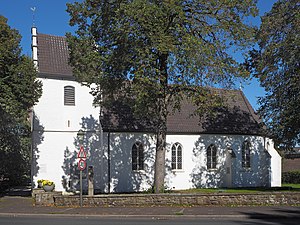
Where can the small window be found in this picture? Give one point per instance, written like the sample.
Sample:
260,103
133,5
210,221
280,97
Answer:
246,154
211,155
138,156
176,156
69,95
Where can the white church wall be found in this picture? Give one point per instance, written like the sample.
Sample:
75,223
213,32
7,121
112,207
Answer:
194,172
276,163
55,128
123,178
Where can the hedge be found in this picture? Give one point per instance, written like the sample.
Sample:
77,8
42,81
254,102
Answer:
291,177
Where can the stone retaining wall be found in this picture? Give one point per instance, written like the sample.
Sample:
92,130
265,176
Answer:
222,199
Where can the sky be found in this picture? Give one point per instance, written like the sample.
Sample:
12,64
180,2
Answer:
50,17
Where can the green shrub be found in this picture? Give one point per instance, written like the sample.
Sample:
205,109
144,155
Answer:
291,177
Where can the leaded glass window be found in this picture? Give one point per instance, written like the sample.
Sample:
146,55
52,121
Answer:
246,153
211,155
176,156
138,156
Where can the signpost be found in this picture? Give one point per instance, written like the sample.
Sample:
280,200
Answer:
81,166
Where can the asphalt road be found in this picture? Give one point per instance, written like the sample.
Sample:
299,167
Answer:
62,220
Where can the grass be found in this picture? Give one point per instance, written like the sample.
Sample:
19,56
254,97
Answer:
285,187
293,186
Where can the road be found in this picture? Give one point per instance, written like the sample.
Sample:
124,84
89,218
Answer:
63,220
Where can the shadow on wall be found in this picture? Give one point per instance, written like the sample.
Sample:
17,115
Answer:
37,139
123,177
201,177
92,146
229,171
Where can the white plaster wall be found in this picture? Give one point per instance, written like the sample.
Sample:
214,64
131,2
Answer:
276,163
52,112
55,128
123,178
194,172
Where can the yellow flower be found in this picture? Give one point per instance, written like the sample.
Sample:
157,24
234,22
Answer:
47,182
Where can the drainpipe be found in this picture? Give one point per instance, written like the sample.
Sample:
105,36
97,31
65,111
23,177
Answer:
32,148
108,162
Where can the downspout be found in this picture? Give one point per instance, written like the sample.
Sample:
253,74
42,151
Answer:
108,162
32,148
102,154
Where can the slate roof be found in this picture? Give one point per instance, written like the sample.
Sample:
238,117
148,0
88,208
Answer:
53,57
237,118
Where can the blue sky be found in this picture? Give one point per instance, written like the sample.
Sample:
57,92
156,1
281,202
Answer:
51,18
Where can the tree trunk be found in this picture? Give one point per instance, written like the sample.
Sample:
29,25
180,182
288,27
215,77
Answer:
159,176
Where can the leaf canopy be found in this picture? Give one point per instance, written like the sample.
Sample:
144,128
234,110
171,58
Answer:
162,47
276,64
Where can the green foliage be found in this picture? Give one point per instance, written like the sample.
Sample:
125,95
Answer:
291,177
159,52
157,43
276,64
19,90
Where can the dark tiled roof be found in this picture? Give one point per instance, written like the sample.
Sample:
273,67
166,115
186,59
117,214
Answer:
53,56
236,117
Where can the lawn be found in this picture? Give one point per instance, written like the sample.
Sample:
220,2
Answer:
293,186
285,187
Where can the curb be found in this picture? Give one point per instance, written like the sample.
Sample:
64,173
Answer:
158,217
153,217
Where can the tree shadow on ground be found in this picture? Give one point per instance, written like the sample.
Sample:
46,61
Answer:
275,217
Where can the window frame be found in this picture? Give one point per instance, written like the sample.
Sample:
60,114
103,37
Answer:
138,156
177,157
211,157
246,155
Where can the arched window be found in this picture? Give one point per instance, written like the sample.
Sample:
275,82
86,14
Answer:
137,156
69,95
246,154
176,156
211,155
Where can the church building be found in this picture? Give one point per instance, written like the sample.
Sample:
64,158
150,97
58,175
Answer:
230,150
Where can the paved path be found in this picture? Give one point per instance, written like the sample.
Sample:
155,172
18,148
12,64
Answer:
17,205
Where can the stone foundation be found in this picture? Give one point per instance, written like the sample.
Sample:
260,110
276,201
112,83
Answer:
42,198
221,199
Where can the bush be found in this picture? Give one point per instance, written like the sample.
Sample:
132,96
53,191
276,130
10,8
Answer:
291,177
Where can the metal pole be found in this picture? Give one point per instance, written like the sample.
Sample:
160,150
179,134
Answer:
80,188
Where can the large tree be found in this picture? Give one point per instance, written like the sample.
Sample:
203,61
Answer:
19,90
276,64
166,49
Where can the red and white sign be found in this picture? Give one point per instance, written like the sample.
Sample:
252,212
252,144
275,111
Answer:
82,157
81,153
81,164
